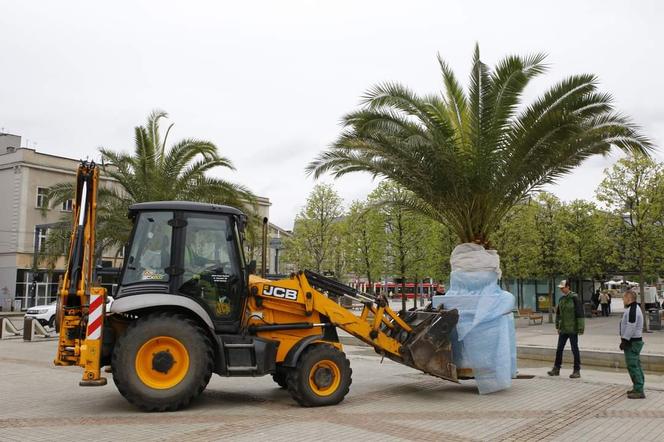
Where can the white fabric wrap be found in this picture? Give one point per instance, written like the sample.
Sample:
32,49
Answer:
471,257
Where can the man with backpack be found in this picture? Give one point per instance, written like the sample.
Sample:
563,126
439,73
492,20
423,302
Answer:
570,324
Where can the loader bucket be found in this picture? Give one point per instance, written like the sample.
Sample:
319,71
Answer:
429,347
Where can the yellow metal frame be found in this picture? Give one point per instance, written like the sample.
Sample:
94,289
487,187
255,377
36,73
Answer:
311,304
74,348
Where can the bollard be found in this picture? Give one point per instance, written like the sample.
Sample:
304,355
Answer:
32,327
7,328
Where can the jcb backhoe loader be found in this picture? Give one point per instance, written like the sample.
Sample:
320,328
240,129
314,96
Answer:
188,306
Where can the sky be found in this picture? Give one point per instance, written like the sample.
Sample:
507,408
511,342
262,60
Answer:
268,82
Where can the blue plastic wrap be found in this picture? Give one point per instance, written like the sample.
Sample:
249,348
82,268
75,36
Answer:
485,339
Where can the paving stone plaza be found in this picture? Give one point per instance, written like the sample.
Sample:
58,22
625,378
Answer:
387,402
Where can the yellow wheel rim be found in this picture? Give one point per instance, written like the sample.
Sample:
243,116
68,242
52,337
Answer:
324,377
162,362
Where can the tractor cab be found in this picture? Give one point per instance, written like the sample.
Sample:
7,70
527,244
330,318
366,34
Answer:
191,250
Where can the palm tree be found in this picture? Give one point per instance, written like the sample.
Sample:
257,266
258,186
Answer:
468,156
155,172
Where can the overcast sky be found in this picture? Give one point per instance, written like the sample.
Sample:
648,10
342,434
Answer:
268,81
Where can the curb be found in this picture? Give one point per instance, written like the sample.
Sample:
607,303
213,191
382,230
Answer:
596,358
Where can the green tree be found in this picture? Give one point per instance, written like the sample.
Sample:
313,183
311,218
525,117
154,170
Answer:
438,245
585,249
405,235
549,230
467,157
315,231
156,172
630,190
366,242
516,241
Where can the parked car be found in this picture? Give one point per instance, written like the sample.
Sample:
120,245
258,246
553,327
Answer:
45,314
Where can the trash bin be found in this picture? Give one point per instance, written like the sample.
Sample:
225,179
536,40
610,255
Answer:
654,319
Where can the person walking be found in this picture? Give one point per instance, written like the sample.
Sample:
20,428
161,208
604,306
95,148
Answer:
604,302
570,324
631,343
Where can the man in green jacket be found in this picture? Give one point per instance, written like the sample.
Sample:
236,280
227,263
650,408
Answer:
570,324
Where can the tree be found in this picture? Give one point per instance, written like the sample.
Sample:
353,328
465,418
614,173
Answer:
516,241
585,249
549,229
405,235
156,172
439,242
366,239
467,157
630,190
314,232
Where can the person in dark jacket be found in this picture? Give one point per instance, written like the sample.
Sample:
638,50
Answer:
631,343
570,324
594,299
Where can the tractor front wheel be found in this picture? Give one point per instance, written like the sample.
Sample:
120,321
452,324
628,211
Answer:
162,362
280,376
322,376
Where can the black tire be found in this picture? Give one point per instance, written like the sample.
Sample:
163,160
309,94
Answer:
51,322
170,325
58,315
299,378
281,377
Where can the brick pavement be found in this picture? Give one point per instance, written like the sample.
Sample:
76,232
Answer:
387,402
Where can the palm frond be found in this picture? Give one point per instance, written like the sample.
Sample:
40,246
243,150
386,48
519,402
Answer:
468,157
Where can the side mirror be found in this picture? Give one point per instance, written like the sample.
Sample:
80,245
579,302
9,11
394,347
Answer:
251,267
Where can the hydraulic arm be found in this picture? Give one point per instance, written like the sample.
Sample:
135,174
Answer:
81,305
420,339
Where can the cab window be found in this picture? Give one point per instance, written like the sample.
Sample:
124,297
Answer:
150,253
210,264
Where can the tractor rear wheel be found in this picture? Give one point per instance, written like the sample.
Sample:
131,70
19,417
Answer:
162,362
322,376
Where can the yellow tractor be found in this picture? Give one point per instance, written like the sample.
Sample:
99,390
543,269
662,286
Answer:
188,305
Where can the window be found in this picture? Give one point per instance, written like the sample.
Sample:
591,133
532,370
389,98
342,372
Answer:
41,197
40,234
67,206
211,264
150,253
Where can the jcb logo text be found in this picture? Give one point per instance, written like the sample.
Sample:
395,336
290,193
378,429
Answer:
280,292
